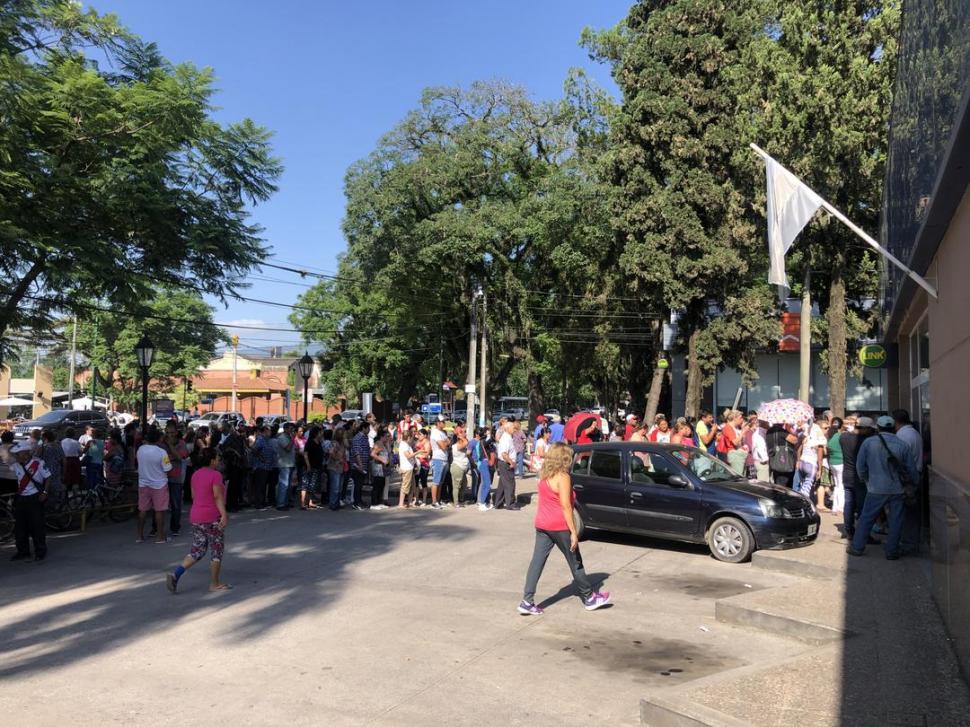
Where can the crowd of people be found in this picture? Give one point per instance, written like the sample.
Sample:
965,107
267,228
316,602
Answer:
339,464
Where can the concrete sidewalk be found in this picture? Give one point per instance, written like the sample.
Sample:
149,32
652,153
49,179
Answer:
364,618
881,655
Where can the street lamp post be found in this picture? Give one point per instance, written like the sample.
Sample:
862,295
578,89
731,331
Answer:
306,369
145,350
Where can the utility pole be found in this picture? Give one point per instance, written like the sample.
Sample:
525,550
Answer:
805,337
472,356
482,401
235,355
70,377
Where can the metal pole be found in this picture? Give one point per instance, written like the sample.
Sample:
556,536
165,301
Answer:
306,403
70,378
482,401
235,353
805,338
144,398
472,356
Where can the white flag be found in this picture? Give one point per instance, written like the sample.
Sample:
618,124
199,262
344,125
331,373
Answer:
791,205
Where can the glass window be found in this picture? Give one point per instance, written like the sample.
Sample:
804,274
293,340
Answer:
606,465
707,468
653,469
581,464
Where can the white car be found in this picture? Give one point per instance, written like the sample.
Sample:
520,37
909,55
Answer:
217,418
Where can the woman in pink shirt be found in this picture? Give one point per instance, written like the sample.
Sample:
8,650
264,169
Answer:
555,526
209,520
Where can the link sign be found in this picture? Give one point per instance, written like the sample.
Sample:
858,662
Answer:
873,356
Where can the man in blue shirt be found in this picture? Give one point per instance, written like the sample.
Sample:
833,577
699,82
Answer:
884,486
264,462
557,431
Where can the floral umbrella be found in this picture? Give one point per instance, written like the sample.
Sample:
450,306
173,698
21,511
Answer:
785,411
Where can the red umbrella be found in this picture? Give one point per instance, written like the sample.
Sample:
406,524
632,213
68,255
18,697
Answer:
578,422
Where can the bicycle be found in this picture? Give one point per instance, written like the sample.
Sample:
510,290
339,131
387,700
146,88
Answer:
6,518
103,498
58,515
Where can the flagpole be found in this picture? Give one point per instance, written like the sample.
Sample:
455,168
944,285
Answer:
857,230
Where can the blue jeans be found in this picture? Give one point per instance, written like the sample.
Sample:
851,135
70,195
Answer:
520,464
484,482
855,500
283,487
870,511
438,467
334,480
94,474
806,474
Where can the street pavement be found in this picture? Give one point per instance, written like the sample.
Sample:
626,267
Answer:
363,618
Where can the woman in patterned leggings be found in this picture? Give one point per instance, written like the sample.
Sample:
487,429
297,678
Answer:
209,520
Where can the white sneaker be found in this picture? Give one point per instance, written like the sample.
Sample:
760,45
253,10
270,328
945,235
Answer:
482,507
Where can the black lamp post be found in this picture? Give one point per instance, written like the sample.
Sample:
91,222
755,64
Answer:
306,369
145,350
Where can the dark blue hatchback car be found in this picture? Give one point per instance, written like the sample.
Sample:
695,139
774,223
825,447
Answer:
682,493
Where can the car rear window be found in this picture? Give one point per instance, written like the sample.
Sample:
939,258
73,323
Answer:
606,465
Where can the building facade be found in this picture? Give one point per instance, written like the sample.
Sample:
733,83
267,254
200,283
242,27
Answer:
926,224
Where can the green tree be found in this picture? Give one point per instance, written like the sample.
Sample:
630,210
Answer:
178,322
819,97
113,174
477,188
681,179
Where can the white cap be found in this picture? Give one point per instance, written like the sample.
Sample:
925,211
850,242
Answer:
441,418
22,446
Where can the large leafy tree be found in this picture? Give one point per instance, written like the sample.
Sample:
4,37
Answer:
179,324
113,175
819,99
681,178
478,188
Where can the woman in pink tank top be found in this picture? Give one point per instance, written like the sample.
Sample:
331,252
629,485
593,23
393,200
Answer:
555,526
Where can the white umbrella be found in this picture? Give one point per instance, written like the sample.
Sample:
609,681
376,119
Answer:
16,401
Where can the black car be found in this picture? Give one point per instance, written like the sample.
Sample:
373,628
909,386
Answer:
682,493
60,420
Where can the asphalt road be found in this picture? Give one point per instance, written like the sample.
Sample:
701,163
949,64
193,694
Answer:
360,618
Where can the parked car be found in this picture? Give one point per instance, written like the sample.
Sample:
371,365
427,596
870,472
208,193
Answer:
681,493
217,418
349,415
60,420
275,419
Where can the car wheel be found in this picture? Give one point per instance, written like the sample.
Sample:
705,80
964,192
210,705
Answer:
580,525
730,540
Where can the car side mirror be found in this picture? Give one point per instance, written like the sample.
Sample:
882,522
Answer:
677,481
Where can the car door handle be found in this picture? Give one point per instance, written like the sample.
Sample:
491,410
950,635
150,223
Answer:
578,487
636,494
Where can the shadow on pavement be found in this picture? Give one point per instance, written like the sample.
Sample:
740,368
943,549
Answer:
110,591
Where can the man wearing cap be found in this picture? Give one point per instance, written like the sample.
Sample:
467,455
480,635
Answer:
631,427
537,432
855,488
28,504
440,443
879,460
557,432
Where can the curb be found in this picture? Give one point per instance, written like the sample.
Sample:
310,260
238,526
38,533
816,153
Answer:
769,561
660,712
735,611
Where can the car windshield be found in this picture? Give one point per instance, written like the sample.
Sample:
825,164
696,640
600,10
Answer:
706,467
210,417
51,417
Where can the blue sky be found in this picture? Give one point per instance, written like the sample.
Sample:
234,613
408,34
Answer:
329,78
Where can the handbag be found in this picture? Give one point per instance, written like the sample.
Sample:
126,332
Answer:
909,487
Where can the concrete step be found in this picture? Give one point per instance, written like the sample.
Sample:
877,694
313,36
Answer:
802,611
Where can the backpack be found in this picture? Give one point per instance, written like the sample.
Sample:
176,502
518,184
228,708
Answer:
781,457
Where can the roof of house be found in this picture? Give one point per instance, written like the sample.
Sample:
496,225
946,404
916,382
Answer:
221,381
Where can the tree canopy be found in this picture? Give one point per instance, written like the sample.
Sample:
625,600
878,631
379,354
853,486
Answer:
113,175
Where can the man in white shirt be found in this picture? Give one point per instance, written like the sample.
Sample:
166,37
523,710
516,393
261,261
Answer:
153,468
505,494
28,504
759,452
810,461
405,457
439,459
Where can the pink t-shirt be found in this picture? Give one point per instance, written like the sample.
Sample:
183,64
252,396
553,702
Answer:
204,508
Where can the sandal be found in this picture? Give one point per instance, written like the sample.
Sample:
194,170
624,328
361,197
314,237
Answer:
221,587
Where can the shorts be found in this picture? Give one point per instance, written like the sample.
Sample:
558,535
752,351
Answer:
150,498
207,536
438,467
407,481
